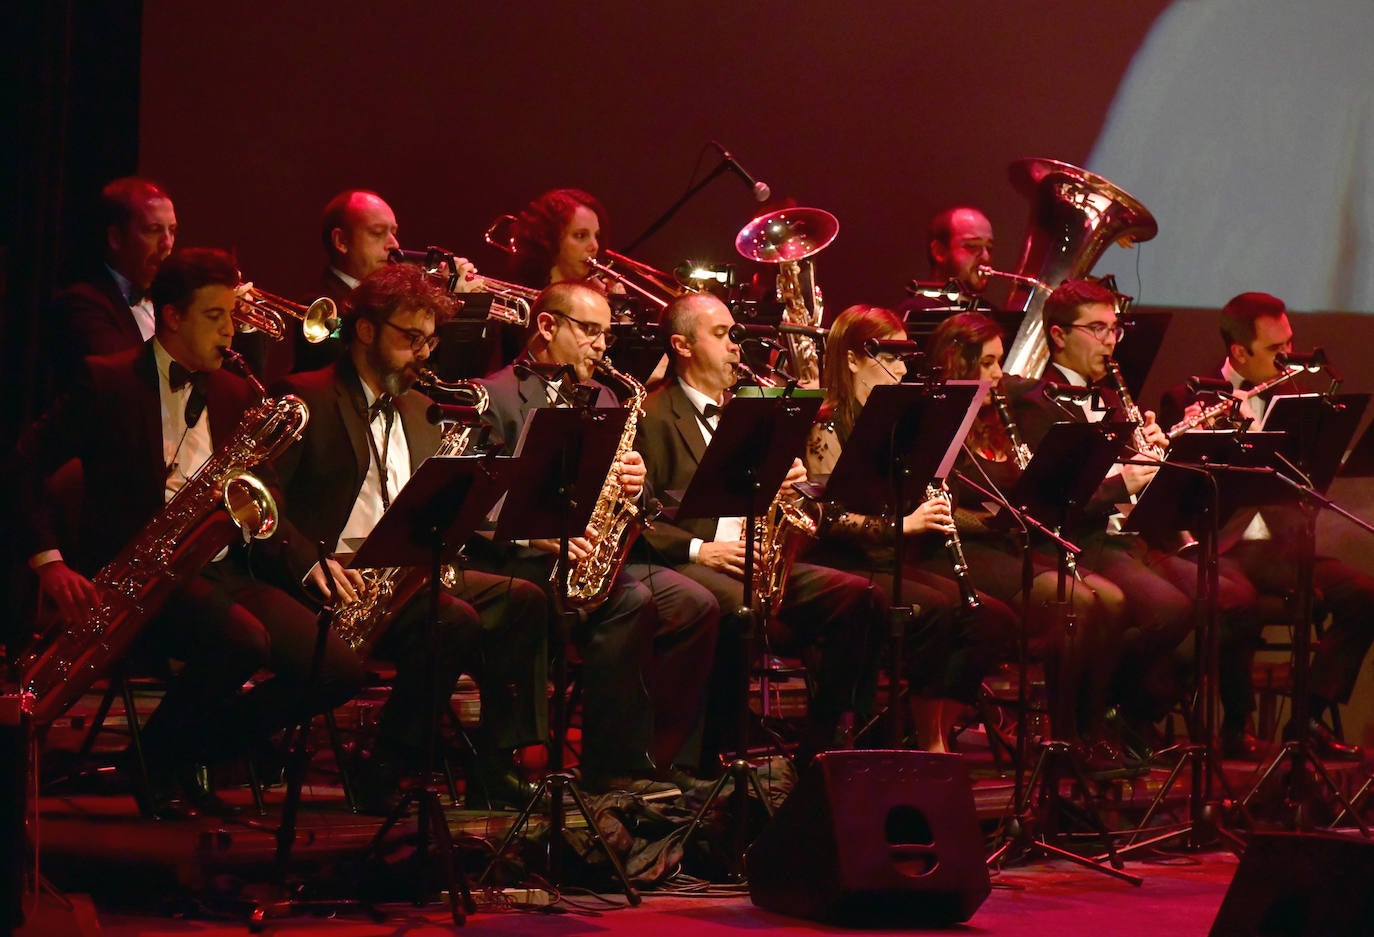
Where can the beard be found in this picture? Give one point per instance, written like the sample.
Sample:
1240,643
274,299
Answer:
395,380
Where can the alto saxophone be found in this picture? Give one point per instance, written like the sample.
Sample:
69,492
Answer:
173,546
387,590
778,537
615,519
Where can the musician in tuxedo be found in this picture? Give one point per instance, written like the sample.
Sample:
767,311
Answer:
142,422
836,614
358,231
1266,543
1081,327
368,434
959,245
647,650
109,310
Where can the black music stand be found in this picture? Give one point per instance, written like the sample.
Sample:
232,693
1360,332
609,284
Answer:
750,453
1319,429
1067,468
445,500
1188,494
561,462
906,437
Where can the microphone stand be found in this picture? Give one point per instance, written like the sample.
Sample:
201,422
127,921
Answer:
722,167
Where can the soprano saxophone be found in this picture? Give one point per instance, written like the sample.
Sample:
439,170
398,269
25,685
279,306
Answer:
615,519
387,590
172,547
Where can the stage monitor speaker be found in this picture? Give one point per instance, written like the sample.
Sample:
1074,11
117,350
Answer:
881,837
1300,885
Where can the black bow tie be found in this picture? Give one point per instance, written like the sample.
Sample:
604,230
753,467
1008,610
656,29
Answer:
385,406
136,295
178,375
1246,385
709,411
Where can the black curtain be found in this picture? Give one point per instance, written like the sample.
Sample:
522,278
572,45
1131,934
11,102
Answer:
68,124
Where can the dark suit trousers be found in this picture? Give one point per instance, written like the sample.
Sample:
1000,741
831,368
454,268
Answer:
615,647
830,616
226,625
510,664
1347,594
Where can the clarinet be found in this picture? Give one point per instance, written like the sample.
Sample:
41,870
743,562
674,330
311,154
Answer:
954,548
1020,452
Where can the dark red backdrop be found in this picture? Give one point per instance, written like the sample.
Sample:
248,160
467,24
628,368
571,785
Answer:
881,112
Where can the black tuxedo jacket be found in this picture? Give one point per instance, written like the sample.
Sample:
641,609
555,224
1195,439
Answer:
322,473
111,420
1034,413
310,357
91,317
511,398
672,443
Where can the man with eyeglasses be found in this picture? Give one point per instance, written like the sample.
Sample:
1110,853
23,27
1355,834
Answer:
367,435
647,650
1082,329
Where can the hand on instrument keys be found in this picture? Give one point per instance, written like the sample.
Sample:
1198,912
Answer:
467,279
632,473
724,555
347,582
1154,434
1189,413
931,514
795,475
72,593
579,548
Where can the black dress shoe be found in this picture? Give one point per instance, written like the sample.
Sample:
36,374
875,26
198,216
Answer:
490,791
1324,744
203,800
1238,743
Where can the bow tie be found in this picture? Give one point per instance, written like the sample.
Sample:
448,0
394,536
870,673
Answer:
178,375
136,295
1246,385
385,406
709,411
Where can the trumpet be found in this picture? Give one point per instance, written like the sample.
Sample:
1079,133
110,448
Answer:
260,311
510,301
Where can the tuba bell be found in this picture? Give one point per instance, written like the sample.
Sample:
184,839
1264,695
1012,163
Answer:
1075,215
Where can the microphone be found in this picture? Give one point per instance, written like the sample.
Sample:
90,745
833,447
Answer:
1313,362
399,256
547,374
902,349
741,332
1209,385
1056,391
762,192
811,331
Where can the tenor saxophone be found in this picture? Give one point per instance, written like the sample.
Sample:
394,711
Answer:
387,590
173,546
615,519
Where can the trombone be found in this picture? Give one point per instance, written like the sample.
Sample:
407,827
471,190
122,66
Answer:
500,234
510,302
260,311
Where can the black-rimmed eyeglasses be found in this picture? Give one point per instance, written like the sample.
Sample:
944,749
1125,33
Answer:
1101,330
591,331
417,338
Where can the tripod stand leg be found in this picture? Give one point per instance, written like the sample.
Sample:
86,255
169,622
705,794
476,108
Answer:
521,821
432,816
631,893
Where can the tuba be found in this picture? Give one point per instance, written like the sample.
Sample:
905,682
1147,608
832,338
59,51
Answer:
615,519
387,590
180,539
1074,216
786,238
